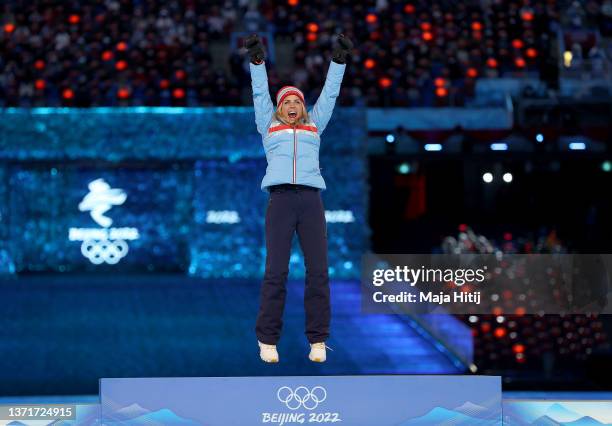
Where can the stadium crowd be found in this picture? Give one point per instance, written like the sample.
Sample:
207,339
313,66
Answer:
151,52
519,341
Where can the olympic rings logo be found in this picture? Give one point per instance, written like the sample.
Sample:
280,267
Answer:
104,251
301,397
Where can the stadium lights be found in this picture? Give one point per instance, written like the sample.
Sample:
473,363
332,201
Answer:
606,166
499,146
487,177
539,138
390,138
567,59
507,177
404,168
433,147
577,146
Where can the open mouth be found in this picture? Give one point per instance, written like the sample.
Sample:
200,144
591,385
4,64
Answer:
292,114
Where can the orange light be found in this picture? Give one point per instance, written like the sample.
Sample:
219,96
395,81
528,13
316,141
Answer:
520,311
179,74
311,37
517,43
163,84
472,72
122,45
476,26
485,327
497,311
492,63
121,65
465,288
441,92
292,2
312,27
518,348
369,63
178,93
409,8
531,52
39,64
371,18
427,36
74,19
527,15
500,332
107,55
68,94
384,82
40,84
439,82
519,62
123,93
426,26
9,28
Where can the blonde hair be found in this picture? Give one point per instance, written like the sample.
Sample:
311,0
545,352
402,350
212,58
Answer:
305,119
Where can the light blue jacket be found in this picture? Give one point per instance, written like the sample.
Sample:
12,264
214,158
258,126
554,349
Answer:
293,152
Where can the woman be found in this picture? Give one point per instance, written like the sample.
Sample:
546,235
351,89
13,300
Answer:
290,137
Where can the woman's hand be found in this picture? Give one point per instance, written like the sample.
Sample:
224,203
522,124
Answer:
341,49
255,48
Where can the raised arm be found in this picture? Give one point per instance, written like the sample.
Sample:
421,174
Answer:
261,97
323,108
259,82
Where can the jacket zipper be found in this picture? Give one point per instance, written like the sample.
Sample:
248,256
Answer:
294,154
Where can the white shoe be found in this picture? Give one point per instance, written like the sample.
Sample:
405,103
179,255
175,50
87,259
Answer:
317,352
268,353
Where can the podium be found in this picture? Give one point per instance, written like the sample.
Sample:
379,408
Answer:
397,400
346,400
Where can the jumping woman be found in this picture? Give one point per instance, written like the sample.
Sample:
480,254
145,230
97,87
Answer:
291,139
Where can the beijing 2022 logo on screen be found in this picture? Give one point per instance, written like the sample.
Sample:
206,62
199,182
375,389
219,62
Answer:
105,244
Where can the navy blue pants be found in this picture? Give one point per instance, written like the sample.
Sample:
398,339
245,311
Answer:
295,209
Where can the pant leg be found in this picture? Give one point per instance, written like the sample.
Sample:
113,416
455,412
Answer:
312,233
281,219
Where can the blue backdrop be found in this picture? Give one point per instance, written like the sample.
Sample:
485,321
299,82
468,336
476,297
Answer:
181,187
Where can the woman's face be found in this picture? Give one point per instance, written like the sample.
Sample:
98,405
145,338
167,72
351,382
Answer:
292,109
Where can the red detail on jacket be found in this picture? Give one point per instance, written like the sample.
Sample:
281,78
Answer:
288,126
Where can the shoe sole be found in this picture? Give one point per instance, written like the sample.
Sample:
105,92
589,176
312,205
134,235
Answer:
316,359
269,361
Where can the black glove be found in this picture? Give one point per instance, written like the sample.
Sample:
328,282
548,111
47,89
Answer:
255,48
341,49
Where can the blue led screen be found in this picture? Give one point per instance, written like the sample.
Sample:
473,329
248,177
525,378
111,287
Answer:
161,189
